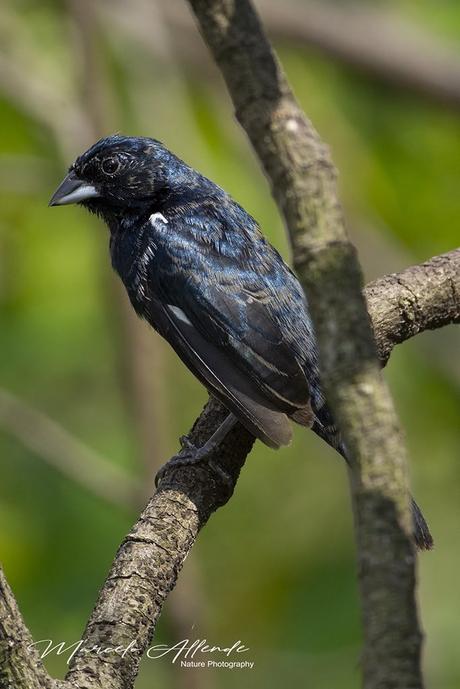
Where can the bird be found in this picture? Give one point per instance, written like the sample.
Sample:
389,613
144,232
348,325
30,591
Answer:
198,269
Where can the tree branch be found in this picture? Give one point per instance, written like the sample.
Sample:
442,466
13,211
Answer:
148,561
422,297
20,665
150,557
303,181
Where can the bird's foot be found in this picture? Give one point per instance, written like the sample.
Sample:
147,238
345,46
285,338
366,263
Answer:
190,455
186,444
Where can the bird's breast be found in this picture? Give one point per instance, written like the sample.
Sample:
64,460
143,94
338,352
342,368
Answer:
132,254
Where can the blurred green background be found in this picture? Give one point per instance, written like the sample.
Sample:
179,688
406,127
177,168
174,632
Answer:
83,383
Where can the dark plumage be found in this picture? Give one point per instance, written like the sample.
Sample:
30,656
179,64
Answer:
198,269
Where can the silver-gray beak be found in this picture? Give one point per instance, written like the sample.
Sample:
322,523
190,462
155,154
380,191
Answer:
73,190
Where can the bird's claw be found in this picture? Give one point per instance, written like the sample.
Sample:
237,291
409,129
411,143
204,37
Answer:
189,454
186,444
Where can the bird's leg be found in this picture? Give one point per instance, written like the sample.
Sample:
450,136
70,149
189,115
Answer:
189,454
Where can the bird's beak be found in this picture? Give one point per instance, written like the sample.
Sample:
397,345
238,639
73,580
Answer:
73,190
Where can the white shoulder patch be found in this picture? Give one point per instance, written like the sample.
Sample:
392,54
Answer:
179,314
158,216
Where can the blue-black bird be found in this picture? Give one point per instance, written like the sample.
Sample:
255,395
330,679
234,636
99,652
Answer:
197,267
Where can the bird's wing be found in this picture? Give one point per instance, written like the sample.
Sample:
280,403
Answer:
229,336
243,322
212,367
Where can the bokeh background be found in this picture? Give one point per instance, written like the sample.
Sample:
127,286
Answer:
91,402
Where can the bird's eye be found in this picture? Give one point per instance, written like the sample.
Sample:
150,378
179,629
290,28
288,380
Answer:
110,165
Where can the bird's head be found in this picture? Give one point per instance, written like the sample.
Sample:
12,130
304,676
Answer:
118,173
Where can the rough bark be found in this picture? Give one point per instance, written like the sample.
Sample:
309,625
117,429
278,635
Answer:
20,665
422,297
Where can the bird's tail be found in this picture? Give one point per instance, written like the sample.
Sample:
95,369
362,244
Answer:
421,533
422,536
